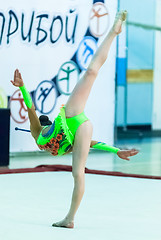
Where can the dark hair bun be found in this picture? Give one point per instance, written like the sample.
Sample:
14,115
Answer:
44,120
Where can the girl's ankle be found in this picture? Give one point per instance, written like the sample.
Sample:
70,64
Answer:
69,219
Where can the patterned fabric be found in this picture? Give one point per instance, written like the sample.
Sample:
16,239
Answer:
58,145
60,137
60,140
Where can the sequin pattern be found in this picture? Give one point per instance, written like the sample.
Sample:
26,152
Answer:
56,143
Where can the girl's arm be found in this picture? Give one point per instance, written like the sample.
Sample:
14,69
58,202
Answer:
35,125
124,154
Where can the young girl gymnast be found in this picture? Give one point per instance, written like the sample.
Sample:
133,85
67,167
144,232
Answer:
71,130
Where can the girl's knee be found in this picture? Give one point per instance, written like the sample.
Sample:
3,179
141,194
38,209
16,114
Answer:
91,72
78,175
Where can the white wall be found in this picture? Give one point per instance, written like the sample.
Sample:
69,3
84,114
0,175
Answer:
43,61
156,123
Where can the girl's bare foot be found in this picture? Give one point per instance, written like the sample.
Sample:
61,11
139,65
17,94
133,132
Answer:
119,19
65,223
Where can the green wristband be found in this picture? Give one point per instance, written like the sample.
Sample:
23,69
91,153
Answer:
26,96
105,147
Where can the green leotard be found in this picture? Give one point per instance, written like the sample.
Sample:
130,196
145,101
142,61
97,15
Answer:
60,137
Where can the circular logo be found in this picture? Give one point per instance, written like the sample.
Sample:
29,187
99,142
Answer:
3,99
45,97
98,19
86,50
18,107
67,77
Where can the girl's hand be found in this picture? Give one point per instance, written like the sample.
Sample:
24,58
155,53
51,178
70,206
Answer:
125,154
18,82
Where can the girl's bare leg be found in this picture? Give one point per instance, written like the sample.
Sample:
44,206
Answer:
77,101
74,106
80,153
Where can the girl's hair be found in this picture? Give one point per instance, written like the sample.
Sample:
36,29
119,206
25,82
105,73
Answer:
44,120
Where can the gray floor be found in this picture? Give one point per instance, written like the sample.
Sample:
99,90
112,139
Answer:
114,208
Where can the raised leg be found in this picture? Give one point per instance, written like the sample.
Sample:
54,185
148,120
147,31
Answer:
77,101
80,153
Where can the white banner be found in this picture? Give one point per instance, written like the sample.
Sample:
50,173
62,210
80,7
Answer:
52,43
